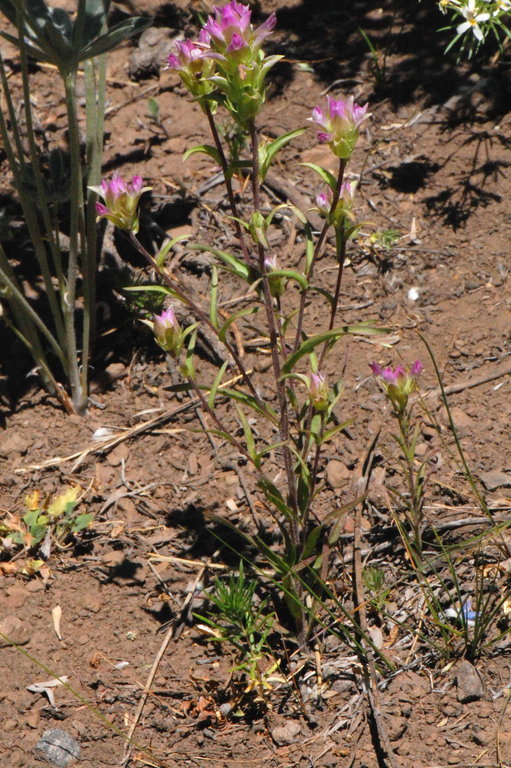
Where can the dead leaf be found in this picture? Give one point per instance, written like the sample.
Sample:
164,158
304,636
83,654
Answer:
57,615
47,687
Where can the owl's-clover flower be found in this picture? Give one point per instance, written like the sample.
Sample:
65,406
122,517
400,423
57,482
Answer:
319,391
232,33
339,124
343,208
398,382
167,332
120,201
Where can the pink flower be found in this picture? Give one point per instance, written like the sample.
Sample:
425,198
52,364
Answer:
339,124
167,332
319,391
344,204
120,201
230,28
190,56
399,384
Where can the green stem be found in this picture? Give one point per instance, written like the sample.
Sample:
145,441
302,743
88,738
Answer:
228,184
317,250
274,334
76,245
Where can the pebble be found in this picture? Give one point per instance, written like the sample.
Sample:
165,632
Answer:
495,479
15,630
287,733
337,474
470,685
58,747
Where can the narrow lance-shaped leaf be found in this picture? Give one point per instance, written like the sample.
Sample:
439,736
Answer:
213,309
166,247
203,149
267,152
325,175
249,439
216,384
117,34
361,329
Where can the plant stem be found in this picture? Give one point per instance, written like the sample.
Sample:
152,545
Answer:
317,249
76,244
175,288
228,185
274,333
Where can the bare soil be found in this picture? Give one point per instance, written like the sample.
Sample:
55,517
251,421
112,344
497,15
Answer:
433,166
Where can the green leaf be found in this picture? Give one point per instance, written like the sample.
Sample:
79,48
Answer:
311,543
332,432
325,175
290,274
166,247
116,35
236,266
274,496
203,149
81,522
150,289
361,329
213,310
215,385
267,152
232,319
249,439
251,402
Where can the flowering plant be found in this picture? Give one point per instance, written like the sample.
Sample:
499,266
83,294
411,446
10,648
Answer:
473,21
226,69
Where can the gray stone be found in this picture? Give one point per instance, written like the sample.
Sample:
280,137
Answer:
495,479
58,747
287,733
470,685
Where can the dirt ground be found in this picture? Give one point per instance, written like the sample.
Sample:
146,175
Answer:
434,166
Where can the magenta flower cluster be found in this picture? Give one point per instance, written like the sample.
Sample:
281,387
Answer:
227,56
121,200
398,382
339,124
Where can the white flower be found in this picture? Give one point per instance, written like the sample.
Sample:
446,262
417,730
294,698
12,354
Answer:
473,19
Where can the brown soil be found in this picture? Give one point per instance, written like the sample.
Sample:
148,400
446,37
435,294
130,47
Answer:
434,165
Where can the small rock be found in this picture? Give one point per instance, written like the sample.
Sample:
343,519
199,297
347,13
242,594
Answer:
58,747
470,685
396,727
287,733
15,597
14,629
337,474
495,479
462,421
119,454
14,444
147,59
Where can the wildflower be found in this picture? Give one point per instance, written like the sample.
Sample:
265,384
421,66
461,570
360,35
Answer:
194,63
241,65
473,19
339,124
319,391
466,615
167,332
277,282
120,201
399,384
231,31
343,207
